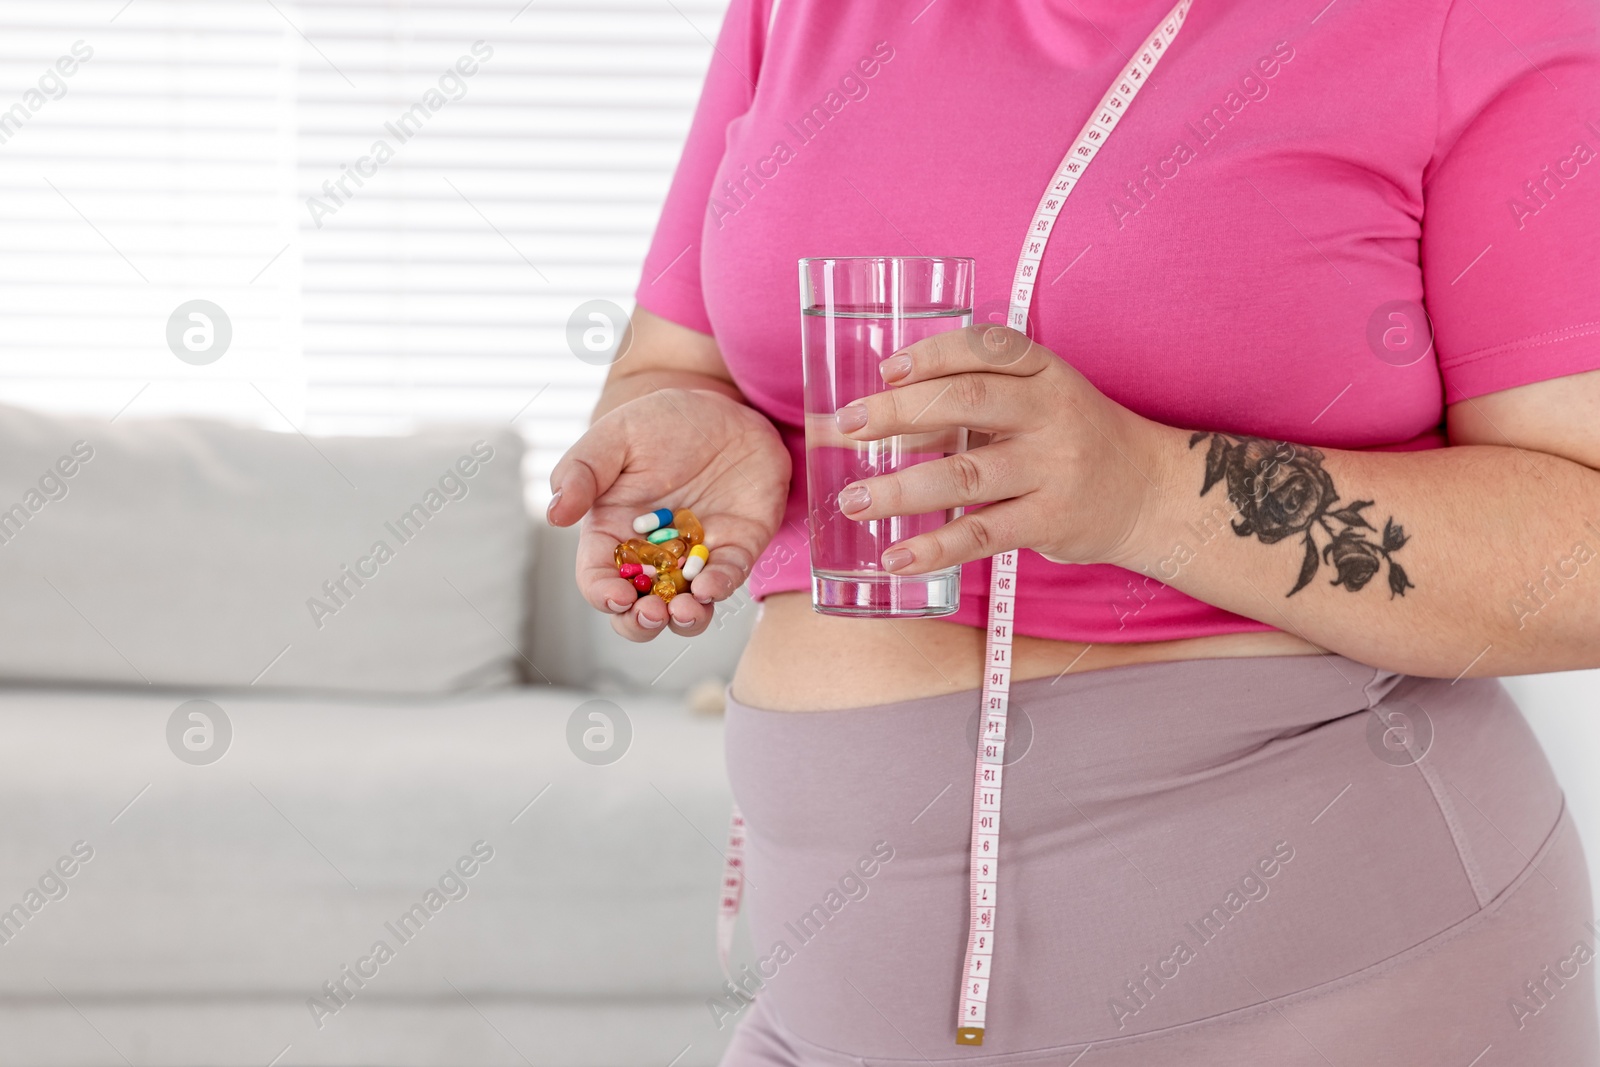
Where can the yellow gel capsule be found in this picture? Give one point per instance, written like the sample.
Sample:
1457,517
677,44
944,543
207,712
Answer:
628,551
661,556
688,527
669,583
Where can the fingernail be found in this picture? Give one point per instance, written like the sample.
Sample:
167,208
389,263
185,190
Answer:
851,417
895,367
618,608
677,616
854,498
651,624
702,599
896,558
548,508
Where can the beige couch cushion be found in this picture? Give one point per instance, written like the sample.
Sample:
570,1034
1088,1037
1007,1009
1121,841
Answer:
188,552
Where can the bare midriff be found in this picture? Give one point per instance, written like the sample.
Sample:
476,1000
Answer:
798,660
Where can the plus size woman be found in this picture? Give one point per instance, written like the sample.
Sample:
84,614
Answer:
1302,450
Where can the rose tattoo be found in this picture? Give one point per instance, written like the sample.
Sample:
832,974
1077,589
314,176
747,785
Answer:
1280,490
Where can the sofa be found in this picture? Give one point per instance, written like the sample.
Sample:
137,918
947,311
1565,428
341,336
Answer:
293,769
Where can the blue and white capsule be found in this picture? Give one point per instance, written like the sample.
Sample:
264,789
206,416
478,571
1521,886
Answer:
652,520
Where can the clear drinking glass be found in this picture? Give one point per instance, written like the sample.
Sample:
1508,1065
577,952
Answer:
854,312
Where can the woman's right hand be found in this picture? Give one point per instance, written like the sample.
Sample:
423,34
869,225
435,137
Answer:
672,448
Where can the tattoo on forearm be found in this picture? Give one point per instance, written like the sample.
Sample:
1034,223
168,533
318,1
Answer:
1280,490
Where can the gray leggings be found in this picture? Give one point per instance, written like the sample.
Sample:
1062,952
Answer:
1204,862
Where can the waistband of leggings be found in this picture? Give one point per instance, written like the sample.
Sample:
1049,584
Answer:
1314,678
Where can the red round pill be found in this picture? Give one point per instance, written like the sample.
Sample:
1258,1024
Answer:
643,582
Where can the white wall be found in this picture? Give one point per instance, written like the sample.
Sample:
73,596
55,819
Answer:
1565,712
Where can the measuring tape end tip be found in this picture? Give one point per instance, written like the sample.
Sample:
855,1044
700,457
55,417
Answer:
969,1035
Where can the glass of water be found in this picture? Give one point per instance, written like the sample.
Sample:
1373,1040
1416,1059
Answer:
854,312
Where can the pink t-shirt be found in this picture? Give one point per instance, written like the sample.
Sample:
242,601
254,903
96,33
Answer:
1240,257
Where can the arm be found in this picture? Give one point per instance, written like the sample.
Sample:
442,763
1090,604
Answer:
1417,558
1491,565
671,429
658,353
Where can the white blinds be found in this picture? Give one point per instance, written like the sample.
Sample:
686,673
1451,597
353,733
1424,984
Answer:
479,170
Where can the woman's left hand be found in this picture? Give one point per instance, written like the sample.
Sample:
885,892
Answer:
1066,471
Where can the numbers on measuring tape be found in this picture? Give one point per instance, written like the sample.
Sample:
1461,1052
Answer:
732,886
987,797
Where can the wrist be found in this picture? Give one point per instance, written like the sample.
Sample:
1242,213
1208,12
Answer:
623,389
1157,455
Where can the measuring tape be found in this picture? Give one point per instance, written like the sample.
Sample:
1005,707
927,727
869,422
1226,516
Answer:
732,889
988,773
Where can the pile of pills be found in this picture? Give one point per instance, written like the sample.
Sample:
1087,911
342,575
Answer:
669,555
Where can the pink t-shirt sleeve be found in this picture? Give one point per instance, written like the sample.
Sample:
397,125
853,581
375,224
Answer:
669,284
1511,223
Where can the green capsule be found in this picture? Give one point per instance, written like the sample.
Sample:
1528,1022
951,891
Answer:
666,533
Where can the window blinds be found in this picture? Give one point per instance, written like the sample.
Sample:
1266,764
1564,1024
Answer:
394,206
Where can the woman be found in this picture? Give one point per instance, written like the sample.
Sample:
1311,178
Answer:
1271,804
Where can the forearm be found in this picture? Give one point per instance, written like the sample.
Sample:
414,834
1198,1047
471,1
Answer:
1491,566
659,354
